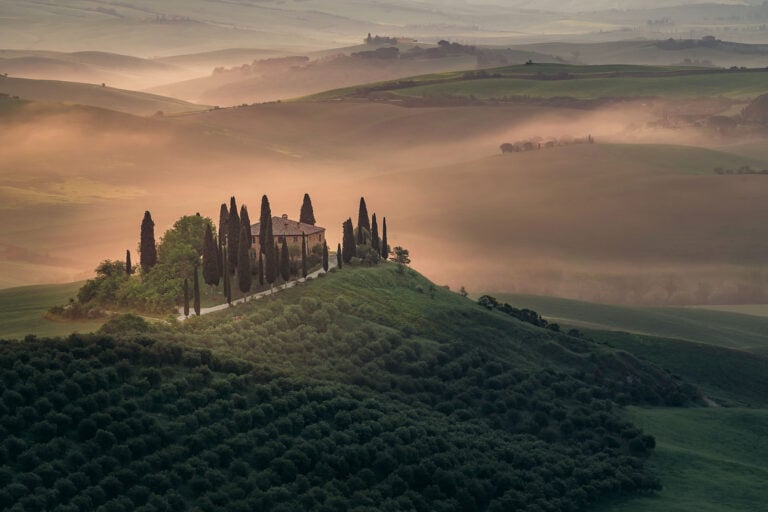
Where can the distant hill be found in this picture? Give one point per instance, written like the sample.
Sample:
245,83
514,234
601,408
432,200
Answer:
121,100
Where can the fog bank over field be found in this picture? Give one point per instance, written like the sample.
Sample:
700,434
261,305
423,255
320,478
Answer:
637,217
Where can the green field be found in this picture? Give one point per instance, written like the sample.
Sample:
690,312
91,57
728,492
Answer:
709,460
723,328
22,310
582,82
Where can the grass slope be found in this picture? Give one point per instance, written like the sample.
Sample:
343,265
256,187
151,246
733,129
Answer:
581,82
130,102
711,460
733,330
22,310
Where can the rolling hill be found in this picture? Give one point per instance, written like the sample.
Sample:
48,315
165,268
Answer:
120,100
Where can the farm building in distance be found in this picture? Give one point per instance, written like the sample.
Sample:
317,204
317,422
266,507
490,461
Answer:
291,230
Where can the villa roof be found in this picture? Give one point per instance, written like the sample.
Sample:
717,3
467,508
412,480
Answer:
283,226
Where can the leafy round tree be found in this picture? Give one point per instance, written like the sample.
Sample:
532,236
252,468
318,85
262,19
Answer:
211,272
147,247
307,215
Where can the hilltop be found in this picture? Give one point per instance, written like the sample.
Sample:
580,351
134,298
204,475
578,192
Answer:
120,100
351,389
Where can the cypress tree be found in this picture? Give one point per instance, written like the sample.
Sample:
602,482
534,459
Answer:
211,272
307,215
223,219
244,277
303,255
362,222
261,269
325,256
245,220
375,241
285,262
128,266
196,291
233,235
186,297
339,259
384,246
227,278
265,224
147,246
349,248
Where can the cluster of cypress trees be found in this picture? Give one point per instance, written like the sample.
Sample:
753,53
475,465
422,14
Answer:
366,234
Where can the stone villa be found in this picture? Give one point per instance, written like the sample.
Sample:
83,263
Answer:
291,230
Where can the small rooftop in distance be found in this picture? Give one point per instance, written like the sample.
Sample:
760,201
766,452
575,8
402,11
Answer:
283,226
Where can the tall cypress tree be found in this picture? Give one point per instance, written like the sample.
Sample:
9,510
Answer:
147,247
267,243
128,265
223,219
211,272
362,222
325,256
384,246
245,220
186,297
349,247
375,241
227,277
285,262
261,269
339,258
303,255
233,235
307,215
244,277
196,291
265,224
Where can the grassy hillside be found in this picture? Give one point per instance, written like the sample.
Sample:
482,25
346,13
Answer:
130,102
351,391
709,460
580,82
722,328
22,310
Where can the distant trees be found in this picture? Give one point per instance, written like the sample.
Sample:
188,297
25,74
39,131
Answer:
227,277
304,255
325,256
339,257
307,215
349,246
223,220
147,248
211,271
